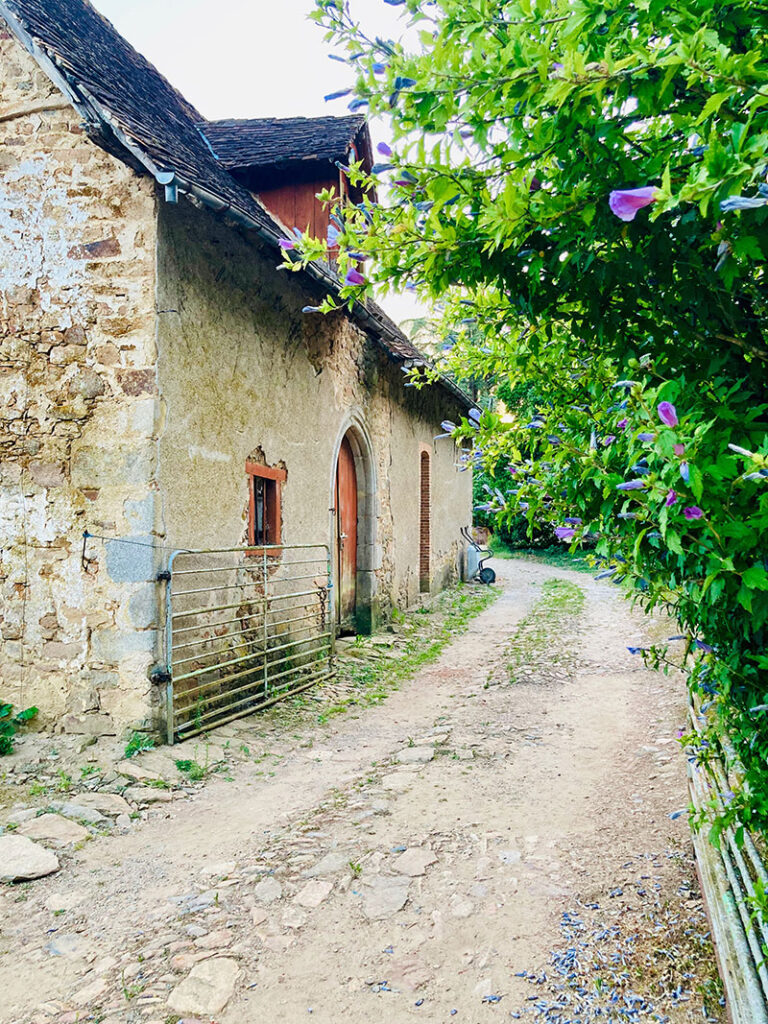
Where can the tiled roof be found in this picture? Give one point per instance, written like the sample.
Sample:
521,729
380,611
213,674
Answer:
135,112
267,141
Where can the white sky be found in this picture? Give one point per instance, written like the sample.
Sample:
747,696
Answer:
251,58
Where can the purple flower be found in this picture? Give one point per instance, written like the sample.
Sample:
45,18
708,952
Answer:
378,69
631,485
626,202
636,650
707,648
609,439
692,512
679,449
671,498
286,243
573,521
622,424
384,149
668,414
564,532
645,437
354,277
685,471
333,235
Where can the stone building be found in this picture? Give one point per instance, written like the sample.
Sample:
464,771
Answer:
162,388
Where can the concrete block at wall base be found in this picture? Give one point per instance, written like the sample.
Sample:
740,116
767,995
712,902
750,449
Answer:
368,617
131,562
112,646
88,725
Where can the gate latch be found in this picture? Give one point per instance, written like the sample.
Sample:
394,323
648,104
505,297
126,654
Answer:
160,675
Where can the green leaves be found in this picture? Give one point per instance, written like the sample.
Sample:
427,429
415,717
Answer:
10,723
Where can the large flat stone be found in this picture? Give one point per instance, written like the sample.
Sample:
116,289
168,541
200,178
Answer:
207,988
79,812
148,795
88,725
105,803
414,861
54,829
384,896
330,864
22,860
134,770
268,890
313,893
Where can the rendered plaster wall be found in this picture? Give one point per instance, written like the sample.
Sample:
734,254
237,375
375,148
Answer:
79,414
241,369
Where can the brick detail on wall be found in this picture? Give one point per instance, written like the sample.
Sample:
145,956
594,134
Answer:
425,532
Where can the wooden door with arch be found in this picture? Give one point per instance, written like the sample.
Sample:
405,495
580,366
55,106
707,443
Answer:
345,540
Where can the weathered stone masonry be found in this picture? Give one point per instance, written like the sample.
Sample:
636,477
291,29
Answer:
79,412
147,350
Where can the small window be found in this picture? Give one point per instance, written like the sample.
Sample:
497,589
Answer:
264,504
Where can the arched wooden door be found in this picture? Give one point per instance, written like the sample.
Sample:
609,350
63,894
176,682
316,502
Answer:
346,536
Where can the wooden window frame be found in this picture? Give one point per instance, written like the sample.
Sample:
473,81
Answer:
273,506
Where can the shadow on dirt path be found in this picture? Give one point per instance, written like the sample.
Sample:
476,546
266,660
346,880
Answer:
472,846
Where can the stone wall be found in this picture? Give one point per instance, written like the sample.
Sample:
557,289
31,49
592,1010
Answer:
242,368
145,352
80,413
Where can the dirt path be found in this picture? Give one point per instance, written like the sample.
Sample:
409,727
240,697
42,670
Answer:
470,848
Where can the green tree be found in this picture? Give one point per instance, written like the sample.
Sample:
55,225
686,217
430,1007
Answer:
583,186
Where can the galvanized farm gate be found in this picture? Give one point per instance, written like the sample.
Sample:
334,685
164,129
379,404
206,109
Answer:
244,627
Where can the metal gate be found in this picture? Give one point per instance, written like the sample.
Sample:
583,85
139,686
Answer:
244,628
